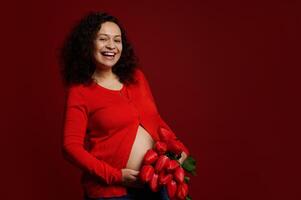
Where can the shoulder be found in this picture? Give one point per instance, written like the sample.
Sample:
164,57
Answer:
75,92
139,74
75,88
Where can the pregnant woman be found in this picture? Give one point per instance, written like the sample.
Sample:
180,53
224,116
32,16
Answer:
110,119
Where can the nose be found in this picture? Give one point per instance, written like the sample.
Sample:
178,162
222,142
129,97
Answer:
110,45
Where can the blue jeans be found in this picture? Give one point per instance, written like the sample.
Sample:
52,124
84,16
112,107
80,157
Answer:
138,194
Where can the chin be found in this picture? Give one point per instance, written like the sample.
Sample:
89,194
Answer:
107,64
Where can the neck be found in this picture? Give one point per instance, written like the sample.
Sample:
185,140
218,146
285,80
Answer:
104,74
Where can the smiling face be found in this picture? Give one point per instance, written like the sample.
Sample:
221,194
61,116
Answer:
107,45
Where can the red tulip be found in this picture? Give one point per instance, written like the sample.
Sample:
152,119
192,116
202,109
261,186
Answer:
164,178
171,188
165,134
146,173
183,147
179,175
160,147
150,157
153,184
161,163
172,165
182,190
174,146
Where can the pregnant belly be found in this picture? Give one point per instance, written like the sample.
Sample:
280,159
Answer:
142,143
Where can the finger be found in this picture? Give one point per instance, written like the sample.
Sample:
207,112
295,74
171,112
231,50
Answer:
130,178
133,178
134,172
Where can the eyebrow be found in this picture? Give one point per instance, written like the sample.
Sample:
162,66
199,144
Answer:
109,35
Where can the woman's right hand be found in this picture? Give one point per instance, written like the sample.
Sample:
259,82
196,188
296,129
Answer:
130,178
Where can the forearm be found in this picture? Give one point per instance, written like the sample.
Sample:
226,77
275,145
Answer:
162,123
78,156
76,120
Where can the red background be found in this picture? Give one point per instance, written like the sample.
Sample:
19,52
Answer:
223,73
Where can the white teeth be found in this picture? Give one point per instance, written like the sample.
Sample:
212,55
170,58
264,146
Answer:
108,53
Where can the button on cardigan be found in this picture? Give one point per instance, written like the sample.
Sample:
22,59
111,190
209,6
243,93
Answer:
100,127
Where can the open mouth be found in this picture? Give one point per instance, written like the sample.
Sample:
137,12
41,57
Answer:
108,54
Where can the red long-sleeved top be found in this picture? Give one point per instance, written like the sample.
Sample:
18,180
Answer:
100,128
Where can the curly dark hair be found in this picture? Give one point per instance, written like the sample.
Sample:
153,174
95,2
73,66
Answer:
76,54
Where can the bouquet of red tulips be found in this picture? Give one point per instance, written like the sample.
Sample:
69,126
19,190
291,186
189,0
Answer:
161,166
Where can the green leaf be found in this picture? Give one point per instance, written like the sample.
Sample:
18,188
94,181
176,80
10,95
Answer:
188,198
186,179
189,164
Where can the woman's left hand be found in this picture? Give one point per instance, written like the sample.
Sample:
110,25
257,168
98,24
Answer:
183,157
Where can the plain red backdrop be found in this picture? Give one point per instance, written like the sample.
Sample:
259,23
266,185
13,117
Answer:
223,74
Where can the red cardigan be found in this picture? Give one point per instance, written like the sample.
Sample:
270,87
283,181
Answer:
99,130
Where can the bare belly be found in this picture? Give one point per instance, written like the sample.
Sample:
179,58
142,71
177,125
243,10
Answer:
142,143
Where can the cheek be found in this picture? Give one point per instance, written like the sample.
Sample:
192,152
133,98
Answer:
98,46
120,47
96,52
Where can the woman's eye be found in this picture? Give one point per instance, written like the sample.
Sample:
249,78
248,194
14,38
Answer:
118,41
102,39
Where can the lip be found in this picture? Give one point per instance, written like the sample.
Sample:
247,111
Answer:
108,57
109,52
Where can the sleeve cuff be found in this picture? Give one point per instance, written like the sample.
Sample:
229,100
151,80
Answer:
118,176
